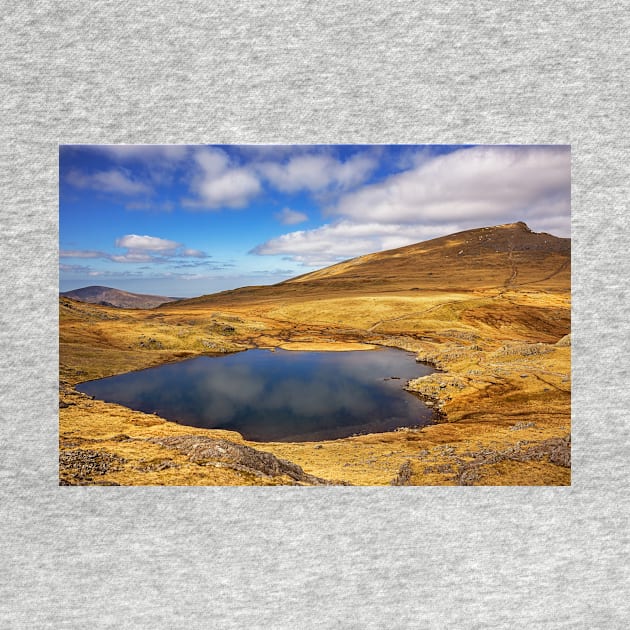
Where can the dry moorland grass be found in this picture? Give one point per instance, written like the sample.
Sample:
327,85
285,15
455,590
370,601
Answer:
497,332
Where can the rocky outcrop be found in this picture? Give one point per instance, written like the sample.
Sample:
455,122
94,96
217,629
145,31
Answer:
222,453
80,467
557,450
403,478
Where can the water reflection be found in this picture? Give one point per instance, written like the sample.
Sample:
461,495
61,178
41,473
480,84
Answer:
277,396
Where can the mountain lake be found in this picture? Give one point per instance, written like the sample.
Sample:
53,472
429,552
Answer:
278,396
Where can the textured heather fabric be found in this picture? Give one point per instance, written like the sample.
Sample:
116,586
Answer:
303,72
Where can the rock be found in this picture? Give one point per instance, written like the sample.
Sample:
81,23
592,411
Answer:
403,478
565,341
214,347
558,450
522,425
151,344
80,466
439,468
561,453
203,450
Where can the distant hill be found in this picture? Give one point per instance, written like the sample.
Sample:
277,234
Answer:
115,297
506,256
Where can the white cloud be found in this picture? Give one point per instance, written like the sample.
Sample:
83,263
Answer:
140,249
157,163
354,171
113,181
469,188
193,253
485,184
220,183
317,172
146,243
290,217
134,257
345,239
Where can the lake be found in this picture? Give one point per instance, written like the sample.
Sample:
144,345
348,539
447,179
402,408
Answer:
278,396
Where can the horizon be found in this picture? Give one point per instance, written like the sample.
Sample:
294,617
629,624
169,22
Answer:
189,220
97,286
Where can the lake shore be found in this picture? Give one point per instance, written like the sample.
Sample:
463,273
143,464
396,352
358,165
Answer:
499,399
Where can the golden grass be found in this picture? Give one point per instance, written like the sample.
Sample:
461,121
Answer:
490,385
503,379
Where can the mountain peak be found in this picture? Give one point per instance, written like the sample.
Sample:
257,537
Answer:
518,224
497,257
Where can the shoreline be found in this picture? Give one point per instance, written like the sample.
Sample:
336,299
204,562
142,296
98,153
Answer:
491,393
436,415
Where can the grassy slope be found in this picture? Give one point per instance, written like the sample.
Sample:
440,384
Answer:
487,306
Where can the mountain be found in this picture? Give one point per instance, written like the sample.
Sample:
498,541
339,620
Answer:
499,257
115,297
489,307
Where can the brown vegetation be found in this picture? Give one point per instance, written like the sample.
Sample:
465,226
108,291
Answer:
489,307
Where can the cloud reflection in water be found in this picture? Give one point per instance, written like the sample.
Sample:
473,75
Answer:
278,396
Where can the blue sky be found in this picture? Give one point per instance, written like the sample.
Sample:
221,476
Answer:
188,220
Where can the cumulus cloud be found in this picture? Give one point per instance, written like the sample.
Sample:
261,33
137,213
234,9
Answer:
317,172
345,239
112,181
146,243
468,188
290,217
221,183
483,184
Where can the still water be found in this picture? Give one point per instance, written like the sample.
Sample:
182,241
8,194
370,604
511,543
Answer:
278,396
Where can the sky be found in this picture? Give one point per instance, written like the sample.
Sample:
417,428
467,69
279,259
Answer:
183,221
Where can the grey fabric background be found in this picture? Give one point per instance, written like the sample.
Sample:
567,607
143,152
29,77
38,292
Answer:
300,72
